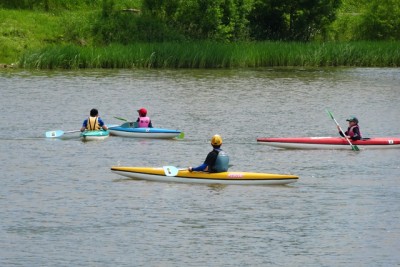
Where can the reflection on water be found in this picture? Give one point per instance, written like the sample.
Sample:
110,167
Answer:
61,205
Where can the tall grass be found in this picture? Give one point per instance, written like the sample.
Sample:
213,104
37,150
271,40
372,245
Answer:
215,55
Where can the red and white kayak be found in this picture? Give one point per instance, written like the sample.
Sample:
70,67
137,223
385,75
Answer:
329,142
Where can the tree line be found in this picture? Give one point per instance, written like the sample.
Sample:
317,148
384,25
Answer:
233,20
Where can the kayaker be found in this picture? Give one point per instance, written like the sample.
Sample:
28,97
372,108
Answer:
353,132
143,121
217,160
94,122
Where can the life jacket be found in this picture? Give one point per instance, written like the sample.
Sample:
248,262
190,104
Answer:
143,122
350,131
92,124
222,162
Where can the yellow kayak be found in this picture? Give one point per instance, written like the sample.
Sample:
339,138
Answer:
173,174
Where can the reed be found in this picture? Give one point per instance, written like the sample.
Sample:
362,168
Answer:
215,55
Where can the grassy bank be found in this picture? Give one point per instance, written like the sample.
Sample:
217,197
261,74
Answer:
215,55
34,39
22,30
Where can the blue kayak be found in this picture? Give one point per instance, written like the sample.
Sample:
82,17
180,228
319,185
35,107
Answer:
128,129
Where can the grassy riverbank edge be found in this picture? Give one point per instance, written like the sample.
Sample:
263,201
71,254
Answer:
205,54
43,40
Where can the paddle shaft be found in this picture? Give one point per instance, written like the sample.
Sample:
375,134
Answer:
353,147
173,171
58,133
121,119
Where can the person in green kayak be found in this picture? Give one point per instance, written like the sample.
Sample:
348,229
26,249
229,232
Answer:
94,122
216,161
353,131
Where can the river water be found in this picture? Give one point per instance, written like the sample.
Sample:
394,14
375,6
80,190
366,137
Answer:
61,206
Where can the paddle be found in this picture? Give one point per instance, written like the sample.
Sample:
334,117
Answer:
127,124
181,135
121,119
171,170
58,133
353,147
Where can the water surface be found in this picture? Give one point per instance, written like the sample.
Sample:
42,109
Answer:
61,205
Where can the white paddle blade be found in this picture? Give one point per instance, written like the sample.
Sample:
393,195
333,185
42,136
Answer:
54,134
170,170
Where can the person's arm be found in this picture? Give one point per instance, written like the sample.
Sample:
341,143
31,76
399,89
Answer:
210,159
102,124
200,168
84,125
340,132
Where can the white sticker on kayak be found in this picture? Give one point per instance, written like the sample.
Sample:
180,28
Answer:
390,142
235,175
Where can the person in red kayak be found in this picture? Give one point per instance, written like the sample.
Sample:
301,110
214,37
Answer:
143,121
353,132
217,160
94,122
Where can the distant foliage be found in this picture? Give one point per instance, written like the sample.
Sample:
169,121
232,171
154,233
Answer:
53,5
127,21
291,20
380,21
223,20
123,26
48,4
367,20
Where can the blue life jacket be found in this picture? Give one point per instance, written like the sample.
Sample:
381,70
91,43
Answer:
222,162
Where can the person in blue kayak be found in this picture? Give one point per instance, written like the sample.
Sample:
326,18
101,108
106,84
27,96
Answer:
94,122
217,160
353,132
143,121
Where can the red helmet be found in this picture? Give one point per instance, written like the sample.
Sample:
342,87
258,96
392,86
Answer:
142,112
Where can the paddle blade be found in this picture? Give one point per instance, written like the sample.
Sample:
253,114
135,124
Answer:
54,134
170,170
181,135
330,114
119,118
355,148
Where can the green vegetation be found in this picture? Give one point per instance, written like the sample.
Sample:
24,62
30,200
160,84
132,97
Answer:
199,33
202,54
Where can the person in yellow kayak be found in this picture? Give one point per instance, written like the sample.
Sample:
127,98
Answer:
94,122
353,131
217,160
143,121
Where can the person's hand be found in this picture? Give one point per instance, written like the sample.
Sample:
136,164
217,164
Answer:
190,169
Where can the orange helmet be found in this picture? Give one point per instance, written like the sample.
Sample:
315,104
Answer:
142,112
